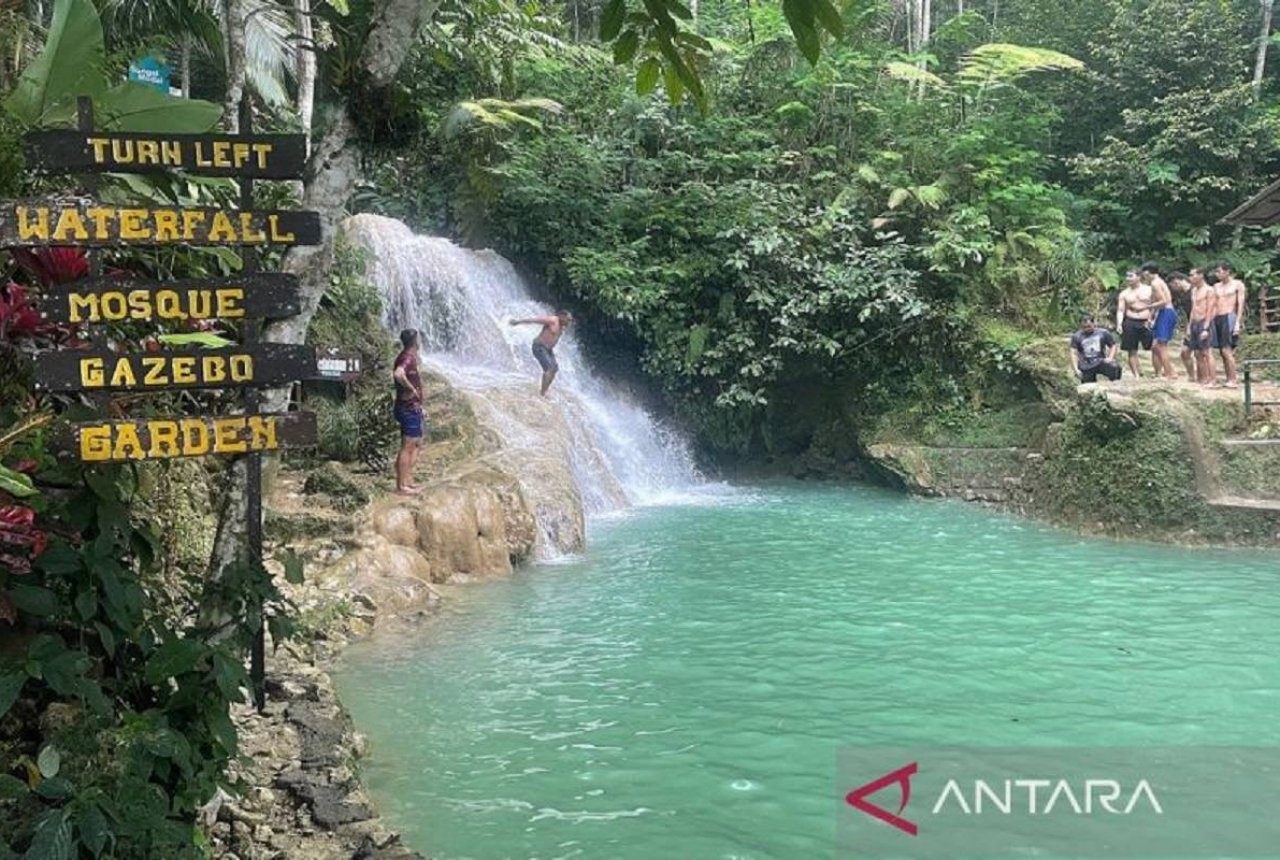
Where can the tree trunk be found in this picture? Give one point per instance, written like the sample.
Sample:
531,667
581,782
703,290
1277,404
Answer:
332,172
306,66
1264,39
233,20
185,71
335,163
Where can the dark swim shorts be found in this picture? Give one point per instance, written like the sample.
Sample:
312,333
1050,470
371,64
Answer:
546,357
409,417
1223,336
1199,336
1133,333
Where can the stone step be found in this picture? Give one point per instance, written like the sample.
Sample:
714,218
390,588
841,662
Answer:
1250,443
1243,504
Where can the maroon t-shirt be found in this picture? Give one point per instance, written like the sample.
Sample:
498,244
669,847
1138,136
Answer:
408,359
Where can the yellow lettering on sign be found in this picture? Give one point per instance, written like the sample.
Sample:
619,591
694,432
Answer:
113,306
214,369
95,443
195,437
277,235
220,149
169,306
132,224
201,304
154,366
79,302
128,443
99,145
123,376
201,160
171,152
149,152
101,220
248,234
70,226
92,372
139,306
229,303
122,151
226,436
28,229
240,153
191,218
167,225
262,150
262,431
183,370
164,439
221,229
242,368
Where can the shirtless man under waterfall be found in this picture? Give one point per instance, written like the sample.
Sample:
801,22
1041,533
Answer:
545,343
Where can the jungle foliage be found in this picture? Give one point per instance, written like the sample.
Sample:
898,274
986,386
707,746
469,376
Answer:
899,217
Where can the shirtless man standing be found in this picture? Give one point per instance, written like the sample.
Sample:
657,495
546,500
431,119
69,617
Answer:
1229,302
545,343
1200,325
1164,320
1133,319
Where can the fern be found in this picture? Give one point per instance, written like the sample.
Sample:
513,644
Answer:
1000,62
914,75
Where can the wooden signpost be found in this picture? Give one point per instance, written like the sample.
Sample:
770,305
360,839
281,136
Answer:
245,300
83,223
97,300
267,156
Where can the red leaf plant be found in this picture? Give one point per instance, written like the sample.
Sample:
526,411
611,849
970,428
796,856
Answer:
20,540
53,265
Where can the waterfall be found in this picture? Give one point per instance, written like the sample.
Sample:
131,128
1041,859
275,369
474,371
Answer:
617,455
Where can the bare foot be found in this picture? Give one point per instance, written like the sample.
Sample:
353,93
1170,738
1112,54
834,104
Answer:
408,491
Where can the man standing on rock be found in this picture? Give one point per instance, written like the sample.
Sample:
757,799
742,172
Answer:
1228,311
545,343
1164,320
1093,352
1133,319
1200,325
408,411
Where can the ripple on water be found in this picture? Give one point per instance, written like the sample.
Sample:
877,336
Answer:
682,687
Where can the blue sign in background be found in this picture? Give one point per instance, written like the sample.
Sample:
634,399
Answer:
151,71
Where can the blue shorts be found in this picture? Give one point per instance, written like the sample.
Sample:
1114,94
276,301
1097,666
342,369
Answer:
409,417
1166,322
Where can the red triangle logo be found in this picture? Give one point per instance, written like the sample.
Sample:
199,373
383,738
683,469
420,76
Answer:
902,777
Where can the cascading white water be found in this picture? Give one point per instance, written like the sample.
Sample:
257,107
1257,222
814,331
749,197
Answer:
462,301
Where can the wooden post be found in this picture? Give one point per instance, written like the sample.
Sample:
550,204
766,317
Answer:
250,335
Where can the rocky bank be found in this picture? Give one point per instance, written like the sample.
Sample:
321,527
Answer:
1138,458
376,559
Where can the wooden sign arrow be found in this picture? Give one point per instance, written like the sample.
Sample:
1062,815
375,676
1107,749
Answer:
228,367
167,438
85,223
262,156
99,300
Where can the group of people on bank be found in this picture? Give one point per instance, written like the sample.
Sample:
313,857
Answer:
1208,303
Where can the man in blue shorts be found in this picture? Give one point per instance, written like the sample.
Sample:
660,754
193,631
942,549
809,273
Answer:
408,411
544,344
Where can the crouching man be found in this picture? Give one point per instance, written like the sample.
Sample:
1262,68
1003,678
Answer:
1093,352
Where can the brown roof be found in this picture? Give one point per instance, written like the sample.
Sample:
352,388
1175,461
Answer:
1261,210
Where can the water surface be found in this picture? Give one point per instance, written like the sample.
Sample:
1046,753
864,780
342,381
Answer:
681,690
